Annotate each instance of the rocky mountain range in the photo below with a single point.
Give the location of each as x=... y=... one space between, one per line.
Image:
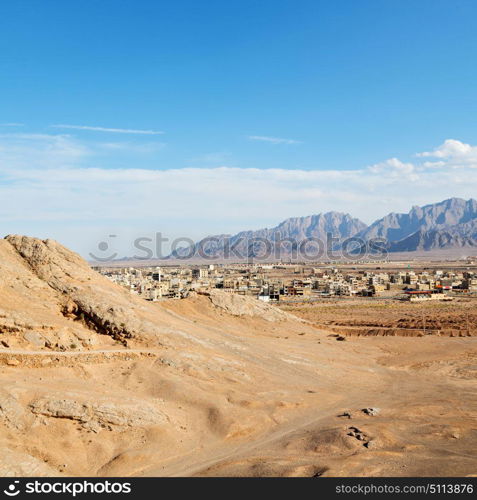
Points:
x=285 y=236
x=449 y=224
x=455 y=236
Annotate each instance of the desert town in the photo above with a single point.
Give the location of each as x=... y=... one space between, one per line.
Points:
x=297 y=283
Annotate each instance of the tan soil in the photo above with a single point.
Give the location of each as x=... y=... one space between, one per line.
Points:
x=188 y=387
x=391 y=317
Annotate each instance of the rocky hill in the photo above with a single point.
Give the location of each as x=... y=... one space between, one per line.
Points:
x=92 y=375
x=46 y=281
x=95 y=381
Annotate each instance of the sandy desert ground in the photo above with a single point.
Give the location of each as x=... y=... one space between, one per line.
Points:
x=390 y=316
x=97 y=382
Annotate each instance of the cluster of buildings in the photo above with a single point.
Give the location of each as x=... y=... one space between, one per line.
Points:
x=282 y=282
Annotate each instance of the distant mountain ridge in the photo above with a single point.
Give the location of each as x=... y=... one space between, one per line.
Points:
x=449 y=224
x=447 y=213
x=447 y=237
x=337 y=224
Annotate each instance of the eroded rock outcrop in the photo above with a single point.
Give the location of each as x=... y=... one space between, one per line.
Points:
x=12 y=413
x=87 y=296
x=241 y=305
x=16 y=464
x=97 y=414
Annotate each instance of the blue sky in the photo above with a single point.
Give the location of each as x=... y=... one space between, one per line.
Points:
x=168 y=105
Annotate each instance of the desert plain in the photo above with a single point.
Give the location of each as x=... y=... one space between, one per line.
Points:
x=97 y=382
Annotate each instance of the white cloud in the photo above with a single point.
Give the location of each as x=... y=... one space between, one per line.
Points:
x=143 y=148
x=218 y=194
x=273 y=140
x=434 y=164
x=49 y=188
x=452 y=148
x=394 y=167
x=215 y=158
x=20 y=151
x=106 y=129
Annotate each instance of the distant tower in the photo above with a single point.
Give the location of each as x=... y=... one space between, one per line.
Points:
x=156 y=276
